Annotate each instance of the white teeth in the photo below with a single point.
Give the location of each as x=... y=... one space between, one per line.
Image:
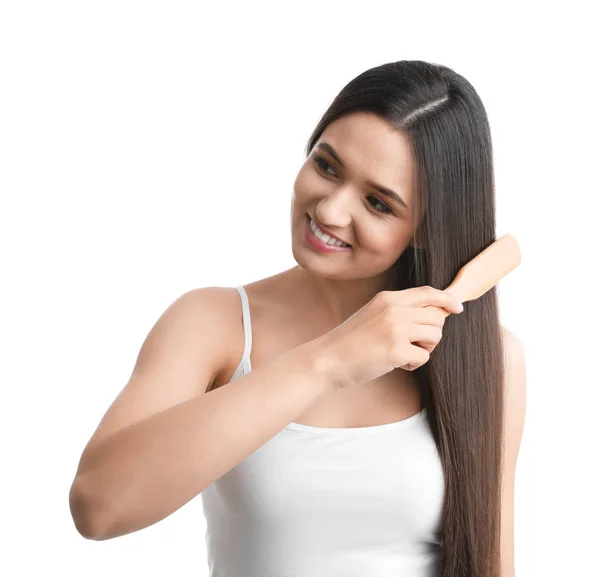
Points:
x=325 y=237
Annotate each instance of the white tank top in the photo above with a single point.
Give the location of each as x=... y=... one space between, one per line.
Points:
x=328 y=502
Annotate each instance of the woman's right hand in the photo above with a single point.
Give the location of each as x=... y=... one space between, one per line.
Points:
x=395 y=329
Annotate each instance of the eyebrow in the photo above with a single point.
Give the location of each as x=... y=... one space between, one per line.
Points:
x=382 y=189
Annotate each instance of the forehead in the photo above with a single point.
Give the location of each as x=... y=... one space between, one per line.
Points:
x=371 y=149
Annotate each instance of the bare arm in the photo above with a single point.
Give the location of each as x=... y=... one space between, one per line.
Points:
x=146 y=471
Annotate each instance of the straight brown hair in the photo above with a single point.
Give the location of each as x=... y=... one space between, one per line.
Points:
x=462 y=384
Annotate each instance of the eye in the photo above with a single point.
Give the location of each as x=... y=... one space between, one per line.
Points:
x=379 y=206
x=320 y=161
x=384 y=208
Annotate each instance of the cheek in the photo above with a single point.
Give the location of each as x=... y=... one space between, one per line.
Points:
x=307 y=185
x=385 y=241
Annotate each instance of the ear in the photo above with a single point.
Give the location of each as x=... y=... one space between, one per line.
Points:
x=414 y=243
x=418 y=240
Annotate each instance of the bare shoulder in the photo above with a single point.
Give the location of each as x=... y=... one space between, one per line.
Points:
x=185 y=351
x=214 y=326
x=514 y=423
x=199 y=319
x=515 y=385
x=513 y=349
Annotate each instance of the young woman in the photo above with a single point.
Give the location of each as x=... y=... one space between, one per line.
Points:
x=328 y=426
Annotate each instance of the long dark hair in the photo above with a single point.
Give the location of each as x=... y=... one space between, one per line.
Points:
x=462 y=384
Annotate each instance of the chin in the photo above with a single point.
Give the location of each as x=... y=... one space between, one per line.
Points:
x=317 y=266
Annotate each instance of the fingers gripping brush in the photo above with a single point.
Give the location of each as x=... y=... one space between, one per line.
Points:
x=486 y=270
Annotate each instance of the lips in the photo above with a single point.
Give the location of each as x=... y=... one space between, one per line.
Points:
x=321 y=227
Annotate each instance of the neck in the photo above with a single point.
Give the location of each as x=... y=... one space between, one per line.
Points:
x=337 y=299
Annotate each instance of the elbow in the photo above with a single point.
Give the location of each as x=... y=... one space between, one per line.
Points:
x=88 y=514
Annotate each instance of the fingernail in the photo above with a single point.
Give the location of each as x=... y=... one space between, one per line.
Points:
x=462 y=308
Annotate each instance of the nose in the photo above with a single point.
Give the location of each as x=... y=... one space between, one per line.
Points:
x=335 y=210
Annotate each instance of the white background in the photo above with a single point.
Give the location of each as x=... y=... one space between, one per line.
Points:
x=150 y=148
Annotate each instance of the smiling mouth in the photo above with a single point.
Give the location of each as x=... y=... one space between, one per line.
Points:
x=315 y=231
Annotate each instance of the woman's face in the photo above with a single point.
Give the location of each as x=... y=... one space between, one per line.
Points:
x=341 y=197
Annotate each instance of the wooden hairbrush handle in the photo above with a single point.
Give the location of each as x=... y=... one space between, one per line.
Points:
x=484 y=271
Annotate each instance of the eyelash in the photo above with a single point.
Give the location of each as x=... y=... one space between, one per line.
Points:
x=385 y=210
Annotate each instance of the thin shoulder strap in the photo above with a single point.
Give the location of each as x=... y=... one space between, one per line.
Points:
x=247 y=325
